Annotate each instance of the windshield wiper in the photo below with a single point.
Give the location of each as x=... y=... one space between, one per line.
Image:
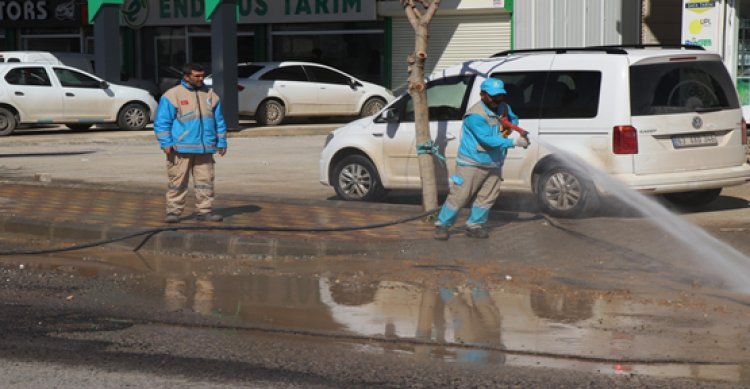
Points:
x=708 y=109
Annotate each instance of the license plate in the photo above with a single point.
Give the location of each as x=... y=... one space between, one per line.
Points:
x=681 y=141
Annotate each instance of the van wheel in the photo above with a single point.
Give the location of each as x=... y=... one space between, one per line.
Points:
x=79 y=127
x=271 y=113
x=693 y=199
x=563 y=193
x=132 y=117
x=8 y=122
x=356 y=179
x=372 y=106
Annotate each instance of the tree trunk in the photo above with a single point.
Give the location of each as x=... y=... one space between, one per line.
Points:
x=416 y=90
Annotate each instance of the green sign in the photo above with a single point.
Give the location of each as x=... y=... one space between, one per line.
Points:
x=211 y=6
x=96 y=5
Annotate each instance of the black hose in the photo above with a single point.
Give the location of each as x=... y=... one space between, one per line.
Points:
x=153 y=231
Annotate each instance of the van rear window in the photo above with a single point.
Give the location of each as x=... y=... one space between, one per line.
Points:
x=680 y=87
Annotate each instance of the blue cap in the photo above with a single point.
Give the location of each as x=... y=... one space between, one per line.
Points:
x=493 y=87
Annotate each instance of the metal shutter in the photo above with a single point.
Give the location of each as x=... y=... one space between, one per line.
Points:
x=453 y=39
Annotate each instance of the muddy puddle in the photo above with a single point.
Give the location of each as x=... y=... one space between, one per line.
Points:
x=443 y=312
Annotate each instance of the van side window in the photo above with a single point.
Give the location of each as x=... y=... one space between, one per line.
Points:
x=571 y=94
x=446 y=99
x=72 y=79
x=524 y=92
x=35 y=76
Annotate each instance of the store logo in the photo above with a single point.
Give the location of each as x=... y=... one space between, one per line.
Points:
x=23 y=11
x=135 y=13
x=66 y=11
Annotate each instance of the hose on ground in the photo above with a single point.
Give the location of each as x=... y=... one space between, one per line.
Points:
x=150 y=232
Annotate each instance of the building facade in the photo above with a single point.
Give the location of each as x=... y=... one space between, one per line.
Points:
x=371 y=38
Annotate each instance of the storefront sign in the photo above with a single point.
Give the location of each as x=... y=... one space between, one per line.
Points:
x=138 y=13
x=49 y=13
x=702 y=24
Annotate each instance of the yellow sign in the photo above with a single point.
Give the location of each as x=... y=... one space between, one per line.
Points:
x=699 y=6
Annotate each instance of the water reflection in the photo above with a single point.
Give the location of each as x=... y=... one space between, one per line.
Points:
x=472 y=322
x=469 y=321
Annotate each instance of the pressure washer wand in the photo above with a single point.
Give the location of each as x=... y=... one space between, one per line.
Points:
x=507 y=124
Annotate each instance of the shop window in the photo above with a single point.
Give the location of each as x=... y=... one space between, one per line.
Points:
x=33 y=76
x=72 y=79
x=354 y=48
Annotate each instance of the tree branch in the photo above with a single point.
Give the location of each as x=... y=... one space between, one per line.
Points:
x=411 y=13
x=431 y=10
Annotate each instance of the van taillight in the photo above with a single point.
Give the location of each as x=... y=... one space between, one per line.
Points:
x=743 y=130
x=625 y=140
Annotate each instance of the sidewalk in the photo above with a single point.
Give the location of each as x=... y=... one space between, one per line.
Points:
x=70 y=214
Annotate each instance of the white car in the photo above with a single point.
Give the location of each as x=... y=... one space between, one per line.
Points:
x=662 y=121
x=46 y=93
x=272 y=91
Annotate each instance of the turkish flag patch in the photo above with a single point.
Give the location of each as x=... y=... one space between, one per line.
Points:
x=184 y=102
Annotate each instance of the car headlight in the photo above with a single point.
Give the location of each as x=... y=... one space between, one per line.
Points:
x=329 y=138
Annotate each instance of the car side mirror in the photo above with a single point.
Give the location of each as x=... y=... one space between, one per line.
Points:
x=354 y=84
x=104 y=84
x=389 y=115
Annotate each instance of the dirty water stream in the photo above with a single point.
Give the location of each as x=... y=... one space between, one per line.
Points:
x=445 y=313
x=706 y=252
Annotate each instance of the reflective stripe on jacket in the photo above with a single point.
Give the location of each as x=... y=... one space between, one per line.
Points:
x=191 y=120
x=482 y=143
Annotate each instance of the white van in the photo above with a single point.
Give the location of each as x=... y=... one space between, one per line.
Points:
x=664 y=121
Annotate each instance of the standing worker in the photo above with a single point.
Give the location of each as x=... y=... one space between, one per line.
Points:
x=479 y=161
x=190 y=129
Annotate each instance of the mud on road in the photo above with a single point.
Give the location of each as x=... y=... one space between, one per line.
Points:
x=381 y=322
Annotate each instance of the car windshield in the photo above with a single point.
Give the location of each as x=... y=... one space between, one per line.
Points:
x=244 y=71
x=680 y=87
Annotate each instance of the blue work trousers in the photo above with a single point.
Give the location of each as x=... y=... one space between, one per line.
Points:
x=470 y=181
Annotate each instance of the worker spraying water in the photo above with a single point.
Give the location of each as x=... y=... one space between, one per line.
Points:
x=484 y=144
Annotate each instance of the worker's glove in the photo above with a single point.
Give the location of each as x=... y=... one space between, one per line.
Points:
x=521 y=142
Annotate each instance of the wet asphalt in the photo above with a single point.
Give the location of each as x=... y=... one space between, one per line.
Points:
x=607 y=301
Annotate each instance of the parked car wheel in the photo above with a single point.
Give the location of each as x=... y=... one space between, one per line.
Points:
x=8 y=122
x=133 y=116
x=79 y=127
x=355 y=178
x=563 y=193
x=693 y=199
x=372 y=106
x=271 y=113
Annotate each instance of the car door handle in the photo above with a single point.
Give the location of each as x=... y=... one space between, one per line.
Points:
x=69 y=94
x=19 y=94
x=450 y=136
x=377 y=134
